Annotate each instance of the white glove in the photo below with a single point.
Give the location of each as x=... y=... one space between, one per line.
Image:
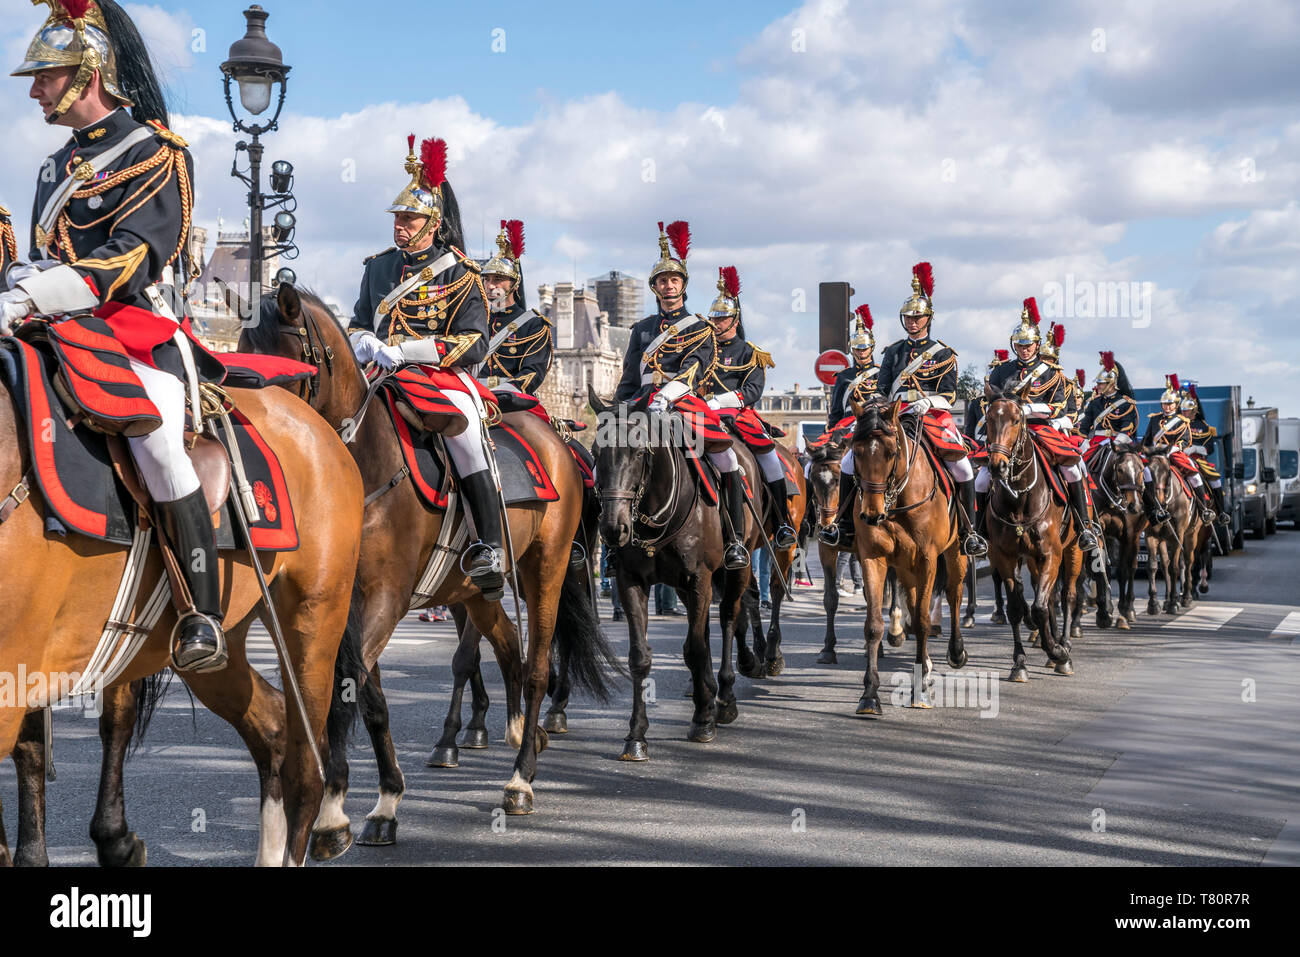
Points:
x=389 y=357
x=659 y=403
x=365 y=345
x=14 y=306
x=18 y=272
x=713 y=404
x=920 y=406
x=1063 y=424
x=1121 y=438
x=727 y=400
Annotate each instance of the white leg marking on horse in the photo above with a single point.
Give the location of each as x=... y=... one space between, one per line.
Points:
x=517 y=783
x=331 y=816
x=386 y=806
x=515 y=732
x=273 y=834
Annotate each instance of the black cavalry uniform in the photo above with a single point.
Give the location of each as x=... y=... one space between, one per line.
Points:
x=840 y=392
x=937 y=375
x=1178 y=431
x=448 y=305
x=1112 y=414
x=1047 y=387
x=739 y=368
x=8 y=244
x=687 y=357
x=524 y=357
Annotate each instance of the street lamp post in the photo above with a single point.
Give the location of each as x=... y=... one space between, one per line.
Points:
x=256 y=65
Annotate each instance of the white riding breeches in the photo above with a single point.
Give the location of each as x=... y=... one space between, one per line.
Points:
x=1146 y=474
x=983 y=480
x=846 y=463
x=724 y=461
x=1217 y=483
x=771 y=465
x=1194 y=480
x=1072 y=473
x=466 y=449
x=160 y=455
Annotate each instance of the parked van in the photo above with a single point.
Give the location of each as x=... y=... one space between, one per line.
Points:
x=1259 y=469
x=1288 y=469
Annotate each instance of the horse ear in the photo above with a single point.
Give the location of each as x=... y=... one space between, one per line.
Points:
x=895 y=408
x=990 y=392
x=857 y=406
x=289 y=301
x=597 y=404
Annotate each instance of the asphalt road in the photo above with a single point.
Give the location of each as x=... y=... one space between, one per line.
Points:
x=1174 y=743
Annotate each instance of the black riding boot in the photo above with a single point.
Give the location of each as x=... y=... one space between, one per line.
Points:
x=1087 y=537
x=840 y=535
x=784 y=536
x=1208 y=513
x=982 y=514
x=1219 y=505
x=198 y=643
x=737 y=555
x=1155 y=511
x=974 y=544
x=484 y=561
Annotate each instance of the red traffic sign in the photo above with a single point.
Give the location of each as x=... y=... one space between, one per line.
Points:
x=830 y=364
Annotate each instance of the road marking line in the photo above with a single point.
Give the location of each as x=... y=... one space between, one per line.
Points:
x=1204 y=618
x=1290 y=625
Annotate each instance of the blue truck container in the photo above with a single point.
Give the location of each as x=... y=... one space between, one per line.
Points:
x=1222 y=405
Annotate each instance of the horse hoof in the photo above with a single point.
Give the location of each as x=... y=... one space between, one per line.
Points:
x=518 y=801
x=775 y=666
x=870 y=704
x=997 y=618
x=1033 y=637
x=958 y=662
x=1064 y=668
x=702 y=733
x=750 y=667
x=920 y=703
x=327 y=845
x=1122 y=624
x=1203 y=588
x=827 y=657
x=1077 y=634
x=1153 y=608
x=936 y=631
x=1170 y=608
x=728 y=711
x=476 y=739
x=968 y=621
x=444 y=756
x=127 y=851
x=1132 y=617
x=635 y=751
x=1103 y=621
x=379 y=832
x=557 y=722
x=1019 y=674
x=896 y=640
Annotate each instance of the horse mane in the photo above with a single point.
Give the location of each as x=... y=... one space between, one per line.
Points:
x=871 y=422
x=264 y=336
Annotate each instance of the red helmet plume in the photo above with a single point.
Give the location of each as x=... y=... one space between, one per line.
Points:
x=515 y=234
x=1191 y=388
x=410 y=142
x=76 y=9
x=1031 y=307
x=1173 y=383
x=1108 y=360
x=1082 y=376
x=864 y=313
x=1002 y=354
x=1058 y=335
x=433 y=157
x=679 y=234
x=730 y=281
x=925 y=273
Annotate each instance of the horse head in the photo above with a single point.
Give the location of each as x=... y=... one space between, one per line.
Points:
x=876 y=455
x=627 y=437
x=1005 y=428
x=824 y=482
x=1126 y=474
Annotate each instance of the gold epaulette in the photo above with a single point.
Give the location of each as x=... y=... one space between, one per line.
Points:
x=545 y=319
x=763 y=358
x=4 y=212
x=465 y=261
x=382 y=252
x=167 y=136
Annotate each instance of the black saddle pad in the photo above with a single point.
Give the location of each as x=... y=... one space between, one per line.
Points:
x=75 y=473
x=523 y=477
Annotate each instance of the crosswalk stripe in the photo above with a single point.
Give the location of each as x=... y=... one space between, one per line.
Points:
x=1290 y=625
x=1204 y=618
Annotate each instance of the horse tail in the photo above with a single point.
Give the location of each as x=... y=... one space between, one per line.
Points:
x=350 y=673
x=580 y=645
x=148 y=693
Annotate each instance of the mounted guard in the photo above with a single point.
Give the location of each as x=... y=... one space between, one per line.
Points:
x=1041 y=387
x=669 y=358
x=1203 y=438
x=859 y=379
x=1169 y=429
x=110 y=237
x=735 y=385
x=520 y=344
x=422 y=304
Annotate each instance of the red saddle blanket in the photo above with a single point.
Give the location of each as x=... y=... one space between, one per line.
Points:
x=253 y=370
x=749 y=426
x=75 y=473
x=523 y=477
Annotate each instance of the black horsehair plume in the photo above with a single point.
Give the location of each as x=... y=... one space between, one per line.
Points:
x=135 y=70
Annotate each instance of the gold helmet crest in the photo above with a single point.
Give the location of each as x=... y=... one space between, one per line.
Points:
x=679 y=234
x=423 y=194
x=74 y=35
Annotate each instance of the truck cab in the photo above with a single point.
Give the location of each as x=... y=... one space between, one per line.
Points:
x=1262 y=492
x=1288 y=469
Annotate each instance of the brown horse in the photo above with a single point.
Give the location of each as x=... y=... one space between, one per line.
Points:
x=767 y=659
x=902 y=522
x=1169 y=543
x=68 y=587
x=1118 y=474
x=1026 y=522
x=398 y=541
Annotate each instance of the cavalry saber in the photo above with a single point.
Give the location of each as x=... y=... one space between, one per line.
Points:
x=776 y=565
x=290 y=678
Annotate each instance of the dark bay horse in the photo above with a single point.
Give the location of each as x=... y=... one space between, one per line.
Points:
x=767 y=660
x=1025 y=521
x=665 y=532
x=399 y=536
x=902 y=522
x=68 y=586
x=1117 y=472
x=1167 y=542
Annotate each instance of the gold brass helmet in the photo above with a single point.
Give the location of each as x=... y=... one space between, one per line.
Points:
x=1107 y=379
x=1171 y=395
x=999 y=356
x=423 y=195
x=863 y=339
x=1026 y=332
x=510 y=246
x=1189 y=403
x=921 y=302
x=727 y=304
x=679 y=233
x=74 y=35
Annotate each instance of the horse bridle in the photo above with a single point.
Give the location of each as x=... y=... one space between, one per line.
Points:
x=315 y=350
x=660 y=519
x=1013 y=456
x=889 y=488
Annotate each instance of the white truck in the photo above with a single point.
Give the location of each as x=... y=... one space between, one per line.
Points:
x=1288 y=469
x=1259 y=469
